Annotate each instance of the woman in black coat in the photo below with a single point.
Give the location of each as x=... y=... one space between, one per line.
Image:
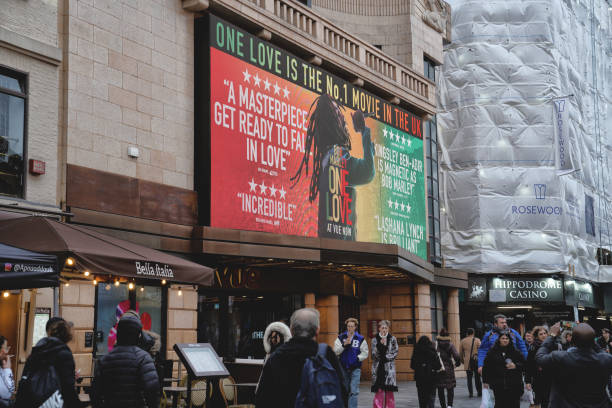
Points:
x=535 y=377
x=445 y=380
x=503 y=371
x=426 y=364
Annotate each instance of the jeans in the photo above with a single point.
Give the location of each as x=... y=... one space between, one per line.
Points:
x=427 y=395
x=451 y=396
x=352 y=378
x=476 y=381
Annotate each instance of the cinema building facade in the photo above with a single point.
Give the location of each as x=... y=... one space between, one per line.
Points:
x=262 y=140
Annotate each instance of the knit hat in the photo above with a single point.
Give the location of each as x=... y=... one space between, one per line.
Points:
x=128 y=329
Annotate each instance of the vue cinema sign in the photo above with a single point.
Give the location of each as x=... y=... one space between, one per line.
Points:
x=544 y=289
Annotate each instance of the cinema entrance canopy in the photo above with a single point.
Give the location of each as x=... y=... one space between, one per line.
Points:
x=359 y=260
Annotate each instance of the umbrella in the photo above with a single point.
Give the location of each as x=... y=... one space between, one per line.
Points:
x=23 y=269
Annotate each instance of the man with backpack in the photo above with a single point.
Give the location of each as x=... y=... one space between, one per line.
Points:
x=499 y=324
x=302 y=373
x=352 y=349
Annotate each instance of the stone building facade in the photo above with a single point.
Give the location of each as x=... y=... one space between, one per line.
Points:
x=122 y=83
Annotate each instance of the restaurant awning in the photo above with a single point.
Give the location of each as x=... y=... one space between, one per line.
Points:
x=100 y=253
x=23 y=269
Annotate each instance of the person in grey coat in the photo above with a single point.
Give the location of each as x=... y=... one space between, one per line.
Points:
x=384 y=353
x=581 y=374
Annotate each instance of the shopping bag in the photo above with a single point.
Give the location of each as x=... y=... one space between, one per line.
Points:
x=527 y=396
x=487 y=399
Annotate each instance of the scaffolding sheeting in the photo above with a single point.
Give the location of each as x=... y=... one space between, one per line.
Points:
x=525 y=125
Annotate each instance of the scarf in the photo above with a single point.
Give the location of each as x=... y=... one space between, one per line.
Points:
x=381 y=374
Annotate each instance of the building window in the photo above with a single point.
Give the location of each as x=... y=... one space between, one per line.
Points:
x=12 y=132
x=439 y=313
x=430 y=69
x=433 y=196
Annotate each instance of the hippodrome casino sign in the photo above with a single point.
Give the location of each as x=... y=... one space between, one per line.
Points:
x=293 y=153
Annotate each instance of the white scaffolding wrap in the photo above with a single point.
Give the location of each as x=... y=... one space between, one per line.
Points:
x=525 y=136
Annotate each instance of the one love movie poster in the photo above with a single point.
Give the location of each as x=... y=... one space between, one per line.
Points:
x=296 y=150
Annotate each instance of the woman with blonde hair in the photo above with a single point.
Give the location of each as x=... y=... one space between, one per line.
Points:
x=384 y=353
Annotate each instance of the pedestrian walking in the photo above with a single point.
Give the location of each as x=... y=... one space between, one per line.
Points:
x=566 y=339
x=445 y=379
x=604 y=341
x=503 y=372
x=126 y=377
x=528 y=339
x=468 y=351
x=352 y=348
x=51 y=351
x=281 y=378
x=580 y=375
x=276 y=334
x=384 y=353
x=536 y=378
x=499 y=324
x=425 y=363
x=7 y=382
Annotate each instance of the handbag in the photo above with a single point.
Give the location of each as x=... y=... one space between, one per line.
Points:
x=442 y=368
x=487 y=399
x=472 y=362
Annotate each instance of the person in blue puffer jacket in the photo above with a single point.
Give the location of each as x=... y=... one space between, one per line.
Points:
x=352 y=349
x=491 y=336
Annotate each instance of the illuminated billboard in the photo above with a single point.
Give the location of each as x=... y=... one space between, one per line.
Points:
x=296 y=150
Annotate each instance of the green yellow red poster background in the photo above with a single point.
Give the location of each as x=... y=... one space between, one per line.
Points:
x=263 y=109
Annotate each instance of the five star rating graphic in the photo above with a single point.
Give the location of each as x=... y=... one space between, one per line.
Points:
x=263 y=189
x=247 y=76
x=397 y=136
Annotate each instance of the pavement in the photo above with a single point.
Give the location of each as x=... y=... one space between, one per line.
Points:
x=407 y=397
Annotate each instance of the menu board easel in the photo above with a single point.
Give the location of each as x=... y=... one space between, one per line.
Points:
x=201 y=362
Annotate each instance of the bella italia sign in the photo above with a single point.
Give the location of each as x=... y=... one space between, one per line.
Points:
x=527 y=289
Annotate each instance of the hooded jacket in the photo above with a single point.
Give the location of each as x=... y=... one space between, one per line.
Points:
x=126 y=377
x=279 y=327
x=450 y=358
x=53 y=351
x=489 y=340
x=282 y=374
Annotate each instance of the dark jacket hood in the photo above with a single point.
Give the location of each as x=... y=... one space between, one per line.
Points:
x=297 y=347
x=47 y=349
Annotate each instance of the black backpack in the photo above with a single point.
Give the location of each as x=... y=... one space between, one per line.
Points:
x=39 y=387
x=320 y=386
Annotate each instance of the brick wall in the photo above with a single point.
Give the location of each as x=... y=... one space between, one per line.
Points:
x=130 y=83
x=182 y=319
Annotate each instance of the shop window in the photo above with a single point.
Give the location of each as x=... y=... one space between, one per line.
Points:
x=12 y=132
x=235 y=325
x=438 y=305
x=114 y=300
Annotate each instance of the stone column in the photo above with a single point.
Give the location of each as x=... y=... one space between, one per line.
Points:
x=77 y=302
x=182 y=319
x=330 y=315
x=423 y=310
x=309 y=300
